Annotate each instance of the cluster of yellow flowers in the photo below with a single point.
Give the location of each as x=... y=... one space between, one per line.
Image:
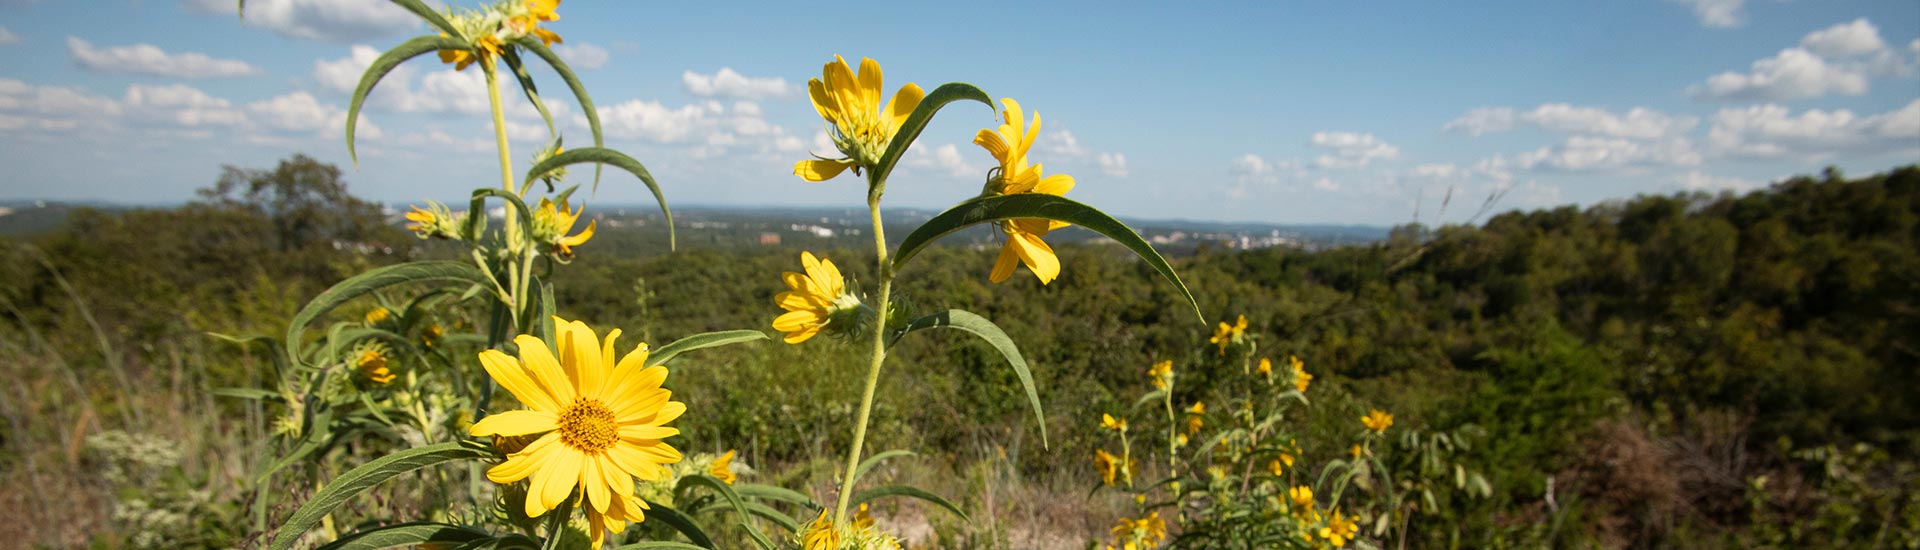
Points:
x=488 y=31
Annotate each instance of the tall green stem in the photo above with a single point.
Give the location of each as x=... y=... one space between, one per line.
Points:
x=514 y=241
x=879 y=356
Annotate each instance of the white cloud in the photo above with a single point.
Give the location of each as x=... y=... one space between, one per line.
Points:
x=1638 y=122
x=300 y=112
x=585 y=56
x=1439 y=171
x=326 y=20
x=1834 y=60
x=728 y=83
x=945 y=158
x=1114 y=164
x=1696 y=180
x=7 y=37
x=640 y=119
x=440 y=91
x=51 y=108
x=182 y=105
x=1588 y=153
x=1773 y=131
x=151 y=60
x=1326 y=184
x=1250 y=167
x=1717 y=13
x=1856 y=38
x=342 y=75
x=1351 y=150
x=709 y=127
x=1063 y=144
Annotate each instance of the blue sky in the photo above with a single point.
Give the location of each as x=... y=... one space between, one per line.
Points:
x=1283 y=112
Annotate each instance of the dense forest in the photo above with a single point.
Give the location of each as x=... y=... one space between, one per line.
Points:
x=1681 y=370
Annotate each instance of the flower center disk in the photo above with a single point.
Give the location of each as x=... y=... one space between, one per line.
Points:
x=588 y=425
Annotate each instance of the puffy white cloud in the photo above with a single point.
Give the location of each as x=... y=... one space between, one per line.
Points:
x=300 y=112
x=1696 y=180
x=709 y=127
x=7 y=37
x=1251 y=166
x=1834 y=60
x=1062 y=143
x=1351 y=150
x=945 y=158
x=652 y=121
x=1859 y=37
x=583 y=56
x=326 y=20
x=151 y=60
x=1774 y=131
x=1717 y=13
x=1114 y=164
x=728 y=83
x=342 y=75
x=51 y=108
x=1638 y=122
x=1588 y=153
x=182 y=105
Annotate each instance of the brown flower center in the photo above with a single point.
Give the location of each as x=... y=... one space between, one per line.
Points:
x=588 y=425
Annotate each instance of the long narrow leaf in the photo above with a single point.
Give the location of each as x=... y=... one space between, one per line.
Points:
x=679 y=522
x=659 y=545
x=739 y=506
x=663 y=354
x=365 y=477
x=477 y=211
x=979 y=326
x=907 y=491
x=560 y=67
x=1041 y=206
x=917 y=121
x=432 y=17
x=520 y=73
x=384 y=64
x=770 y=492
x=873 y=461
x=606 y=156
x=405 y=534
x=358 y=285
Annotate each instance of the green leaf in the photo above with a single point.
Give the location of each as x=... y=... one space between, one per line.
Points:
x=477 y=212
x=1042 y=206
x=703 y=340
x=405 y=534
x=520 y=73
x=505 y=542
x=907 y=491
x=545 y=322
x=764 y=512
x=660 y=545
x=358 y=285
x=366 y=476
x=249 y=393
x=605 y=156
x=725 y=491
x=917 y=121
x=986 y=330
x=274 y=350
x=432 y=17
x=679 y=522
x=533 y=44
x=872 y=461
x=384 y=64
x=774 y=493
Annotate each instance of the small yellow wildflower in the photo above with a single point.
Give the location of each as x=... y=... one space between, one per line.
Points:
x=1266 y=367
x=860 y=128
x=1300 y=376
x=378 y=315
x=372 y=362
x=1356 y=450
x=1162 y=374
x=537 y=11
x=1108 y=464
x=722 y=468
x=603 y=417
x=1194 y=421
x=430 y=336
x=820 y=535
x=1301 y=496
x=550 y=226
x=1377 y=420
x=1339 y=530
x=1276 y=468
x=1287 y=458
x=435 y=222
x=486 y=47
x=1009 y=144
x=1229 y=334
x=1148 y=531
x=1109 y=422
x=817 y=298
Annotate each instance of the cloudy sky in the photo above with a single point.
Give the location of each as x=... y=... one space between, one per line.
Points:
x=1285 y=112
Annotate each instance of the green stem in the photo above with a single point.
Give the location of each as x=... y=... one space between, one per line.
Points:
x=873 y=370
x=499 y=131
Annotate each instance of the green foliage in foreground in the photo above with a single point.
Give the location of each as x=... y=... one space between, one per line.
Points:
x=1711 y=370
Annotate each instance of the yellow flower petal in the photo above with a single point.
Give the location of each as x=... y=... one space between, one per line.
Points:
x=902 y=106
x=869 y=81
x=508 y=372
x=819 y=170
x=512 y=423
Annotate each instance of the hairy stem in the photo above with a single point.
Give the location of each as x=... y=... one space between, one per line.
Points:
x=873 y=370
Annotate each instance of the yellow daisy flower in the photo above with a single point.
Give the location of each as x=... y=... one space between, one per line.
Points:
x=1228 y=334
x=817 y=297
x=1339 y=530
x=820 y=535
x=603 y=418
x=1009 y=144
x=487 y=46
x=1194 y=421
x=722 y=468
x=1274 y=465
x=1265 y=368
x=372 y=361
x=1109 y=422
x=552 y=222
x=1108 y=465
x=537 y=11
x=1148 y=531
x=1301 y=496
x=860 y=127
x=1162 y=373
x=1300 y=377
x=1377 y=420
x=378 y=315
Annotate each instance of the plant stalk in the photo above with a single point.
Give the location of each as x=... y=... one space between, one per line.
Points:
x=873 y=370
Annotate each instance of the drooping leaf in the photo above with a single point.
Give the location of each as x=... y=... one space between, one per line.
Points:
x=377 y=278
x=512 y=57
x=726 y=492
x=770 y=492
x=907 y=491
x=404 y=534
x=765 y=512
x=533 y=44
x=1038 y=206
x=875 y=460
x=477 y=211
x=917 y=121
x=275 y=352
x=384 y=64
x=986 y=330
x=606 y=156
x=663 y=354
x=679 y=522
x=366 y=476
x=426 y=13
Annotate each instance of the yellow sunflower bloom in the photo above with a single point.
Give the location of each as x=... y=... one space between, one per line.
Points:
x=1108 y=464
x=602 y=417
x=820 y=535
x=722 y=468
x=1109 y=422
x=1148 y=531
x=817 y=298
x=1300 y=377
x=860 y=127
x=1339 y=530
x=1265 y=368
x=487 y=46
x=1009 y=144
x=378 y=315
x=552 y=222
x=1194 y=421
x=1162 y=374
x=1377 y=420
x=1228 y=334
x=536 y=12
x=371 y=360
x=1301 y=496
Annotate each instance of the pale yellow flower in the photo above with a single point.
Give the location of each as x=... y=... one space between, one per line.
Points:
x=551 y=223
x=815 y=300
x=371 y=360
x=859 y=126
x=1108 y=464
x=1109 y=422
x=603 y=418
x=1162 y=374
x=1377 y=420
x=378 y=315
x=722 y=468
x=1339 y=530
x=1009 y=144
x=1148 y=531
x=1300 y=377
x=1228 y=334
x=1194 y=414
